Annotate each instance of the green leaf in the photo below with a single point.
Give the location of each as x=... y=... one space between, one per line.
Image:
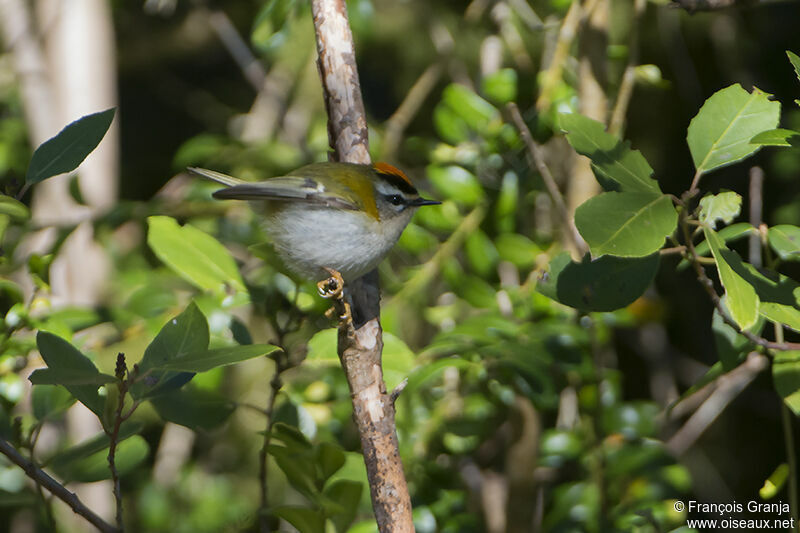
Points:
x=740 y=297
x=195 y=255
x=724 y=206
x=795 y=61
x=720 y=133
x=298 y=466
x=330 y=458
x=616 y=166
x=481 y=253
x=456 y=183
x=208 y=359
x=785 y=240
x=424 y=374
x=777 y=137
x=93 y=445
x=517 y=249
x=775 y=482
x=777 y=294
x=14 y=208
x=322 y=348
x=449 y=125
x=732 y=347
x=49 y=376
x=193 y=408
x=64 y=152
x=727 y=234
x=65 y=360
x=348 y=494
x=605 y=284
x=50 y=400
x=626 y=224
x=129 y=454
x=304 y=519
x=185 y=334
x=473 y=109
x=501 y=86
x=786 y=377
x=398 y=359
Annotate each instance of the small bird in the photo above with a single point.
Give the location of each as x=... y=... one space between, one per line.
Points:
x=340 y=216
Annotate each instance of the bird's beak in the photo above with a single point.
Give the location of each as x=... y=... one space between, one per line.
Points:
x=423 y=201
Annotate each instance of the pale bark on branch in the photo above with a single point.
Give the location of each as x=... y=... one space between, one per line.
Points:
x=360 y=339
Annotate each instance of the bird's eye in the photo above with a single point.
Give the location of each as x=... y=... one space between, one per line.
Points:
x=395 y=199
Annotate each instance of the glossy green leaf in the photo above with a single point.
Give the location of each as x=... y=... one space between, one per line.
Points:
x=456 y=183
x=605 y=284
x=93 y=445
x=481 y=253
x=186 y=333
x=777 y=137
x=50 y=400
x=775 y=482
x=785 y=240
x=193 y=408
x=476 y=112
x=795 y=61
x=194 y=255
x=208 y=359
x=501 y=86
x=330 y=458
x=724 y=206
x=732 y=347
x=70 y=376
x=14 y=208
x=65 y=360
x=130 y=453
x=517 y=249
x=64 y=152
x=740 y=296
x=777 y=294
x=617 y=167
x=348 y=494
x=786 y=377
x=304 y=519
x=720 y=133
x=626 y=224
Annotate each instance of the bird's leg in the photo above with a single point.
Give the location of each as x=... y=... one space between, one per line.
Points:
x=333 y=288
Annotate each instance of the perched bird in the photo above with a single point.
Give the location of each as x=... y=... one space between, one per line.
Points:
x=340 y=216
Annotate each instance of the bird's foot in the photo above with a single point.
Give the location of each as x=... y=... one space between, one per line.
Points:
x=332 y=288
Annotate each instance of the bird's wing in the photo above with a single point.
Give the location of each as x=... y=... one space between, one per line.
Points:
x=287 y=188
x=219 y=177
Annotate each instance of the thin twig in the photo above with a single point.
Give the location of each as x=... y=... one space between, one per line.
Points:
x=535 y=154
x=728 y=387
x=113 y=436
x=275 y=385
x=629 y=76
x=408 y=108
x=756 y=208
x=54 y=487
x=237 y=48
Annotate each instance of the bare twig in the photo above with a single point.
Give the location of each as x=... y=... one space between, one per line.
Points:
x=360 y=341
x=756 y=207
x=625 y=92
x=275 y=385
x=237 y=47
x=56 y=489
x=113 y=435
x=535 y=155
x=728 y=387
x=408 y=108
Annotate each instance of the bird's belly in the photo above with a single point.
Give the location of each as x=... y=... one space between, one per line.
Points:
x=309 y=238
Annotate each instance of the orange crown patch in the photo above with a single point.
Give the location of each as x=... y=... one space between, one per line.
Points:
x=386 y=168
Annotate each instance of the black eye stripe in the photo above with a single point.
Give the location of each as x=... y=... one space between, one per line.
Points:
x=398 y=183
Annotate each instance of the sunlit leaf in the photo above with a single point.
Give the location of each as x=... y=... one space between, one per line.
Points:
x=64 y=152
x=500 y=87
x=777 y=137
x=626 y=224
x=795 y=61
x=194 y=255
x=456 y=183
x=617 y=167
x=720 y=133
x=724 y=206
x=785 y=240
x=786 y=377
x=473 y=109
x=740 y=297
